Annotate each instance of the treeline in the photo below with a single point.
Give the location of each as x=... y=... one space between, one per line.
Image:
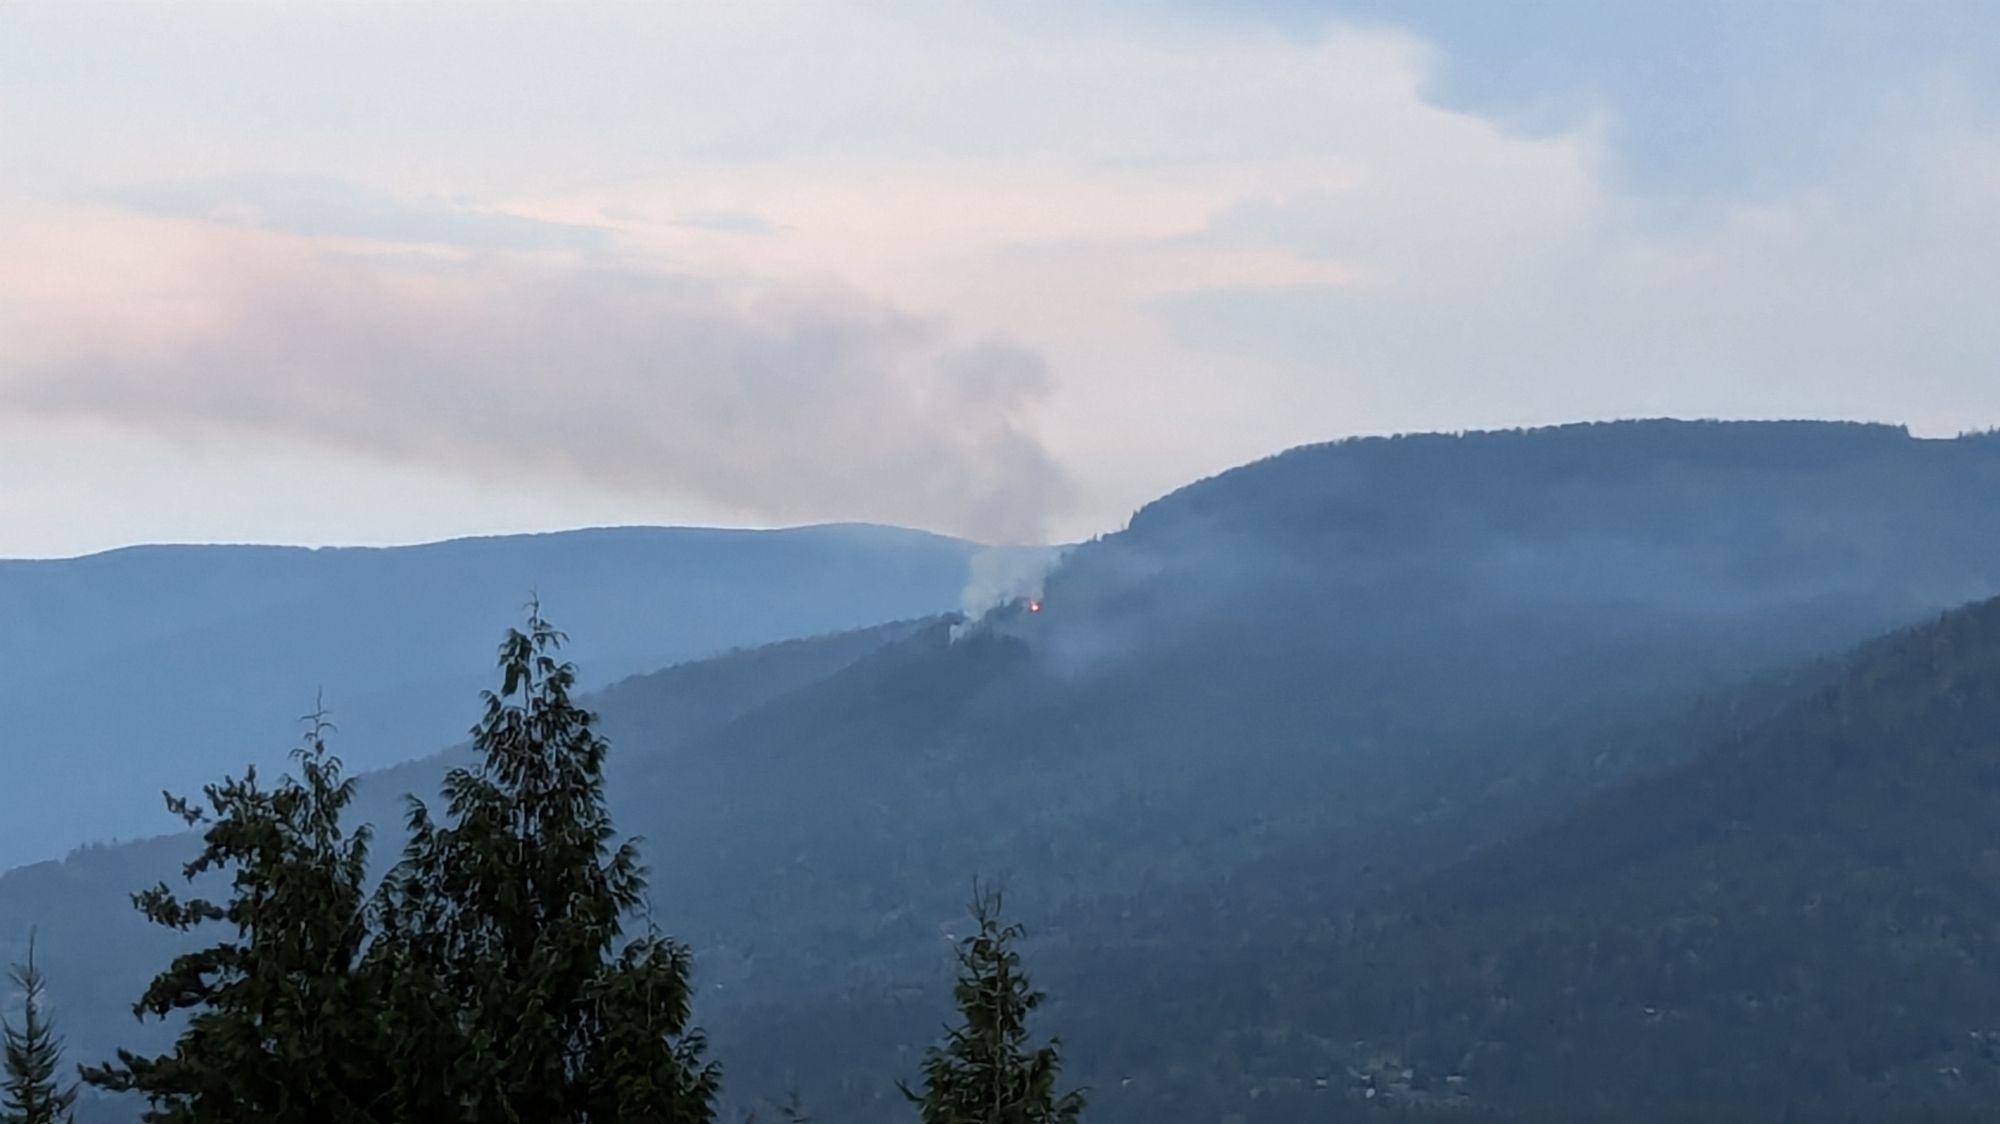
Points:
x=507 y=968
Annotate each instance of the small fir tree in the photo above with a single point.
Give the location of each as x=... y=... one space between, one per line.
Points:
x=986 y=1072
x=31 y=1093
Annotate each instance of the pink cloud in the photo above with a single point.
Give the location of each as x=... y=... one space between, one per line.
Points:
x=792 y=402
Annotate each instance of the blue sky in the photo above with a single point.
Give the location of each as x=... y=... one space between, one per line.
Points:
x=339 y=273
x=1705 y=97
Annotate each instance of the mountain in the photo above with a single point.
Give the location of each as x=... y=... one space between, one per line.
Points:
x=1315 y=677
x=1234 y=729
x=1809 y=910
x=160 y=667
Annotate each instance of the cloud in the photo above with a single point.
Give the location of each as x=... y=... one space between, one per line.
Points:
x=795 y=402
x=1699 y=98
x=727 y=222
x=1859 y=297
x=1132 y=241
x=317 y=205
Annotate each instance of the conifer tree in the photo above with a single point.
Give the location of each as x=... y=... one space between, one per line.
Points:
x=31 y=1093
x=280 y=1025
x=986 y=1072
x=510 y=985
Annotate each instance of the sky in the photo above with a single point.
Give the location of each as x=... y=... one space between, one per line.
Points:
x=374 y=273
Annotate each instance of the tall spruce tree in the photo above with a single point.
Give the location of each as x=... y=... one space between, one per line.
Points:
x=32 y=1093
x=281 y=1026
x=510 y=984
x=986 y=1072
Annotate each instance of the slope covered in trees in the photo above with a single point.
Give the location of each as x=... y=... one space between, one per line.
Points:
x=495 y=974
x=1278 y=697
x=509 y=967
x=1320 y=675
x=1808 y=911
x=100 y=953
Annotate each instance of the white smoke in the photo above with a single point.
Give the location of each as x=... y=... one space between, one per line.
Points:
x=1002 y=575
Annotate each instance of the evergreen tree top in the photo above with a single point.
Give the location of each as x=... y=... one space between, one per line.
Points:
x=504 y=943
x=987 y=1071
x=31 y=1093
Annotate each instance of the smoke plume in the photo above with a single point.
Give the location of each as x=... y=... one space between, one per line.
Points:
x=1000 y=576
x=788 y=403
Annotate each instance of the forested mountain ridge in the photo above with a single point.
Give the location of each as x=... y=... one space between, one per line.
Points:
x=100 y=654
x=1383 y=670
x=1808 y=911
x=1652 y=527
x=1279 y=696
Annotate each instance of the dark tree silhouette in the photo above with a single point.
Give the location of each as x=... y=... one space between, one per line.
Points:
x=31 y=1093
x=280 y=1024
x=513 y=994
x=986 y=1071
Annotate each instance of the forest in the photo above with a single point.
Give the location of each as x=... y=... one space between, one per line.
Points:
x=489 y=976
x=1608 y=772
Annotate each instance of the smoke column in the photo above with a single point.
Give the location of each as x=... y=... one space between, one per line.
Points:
x=1001 y=575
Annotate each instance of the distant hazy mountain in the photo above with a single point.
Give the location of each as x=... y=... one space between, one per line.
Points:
x=1280 y=695
x=157 y=667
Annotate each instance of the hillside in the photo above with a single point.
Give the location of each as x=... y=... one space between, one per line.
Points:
x=1279 y=696
x=158 y=667
x=103 y=953
x=1809 y=910
x=1287 y=687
